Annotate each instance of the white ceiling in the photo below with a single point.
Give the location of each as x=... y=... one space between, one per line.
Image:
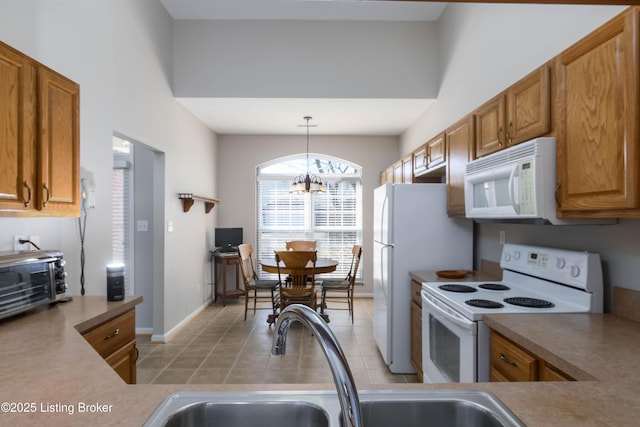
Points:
x=349 y=10
x=283 y=116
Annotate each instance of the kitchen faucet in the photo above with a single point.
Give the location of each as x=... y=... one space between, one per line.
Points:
x=347 y=393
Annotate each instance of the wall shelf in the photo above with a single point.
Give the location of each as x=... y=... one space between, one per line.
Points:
x=188 y=199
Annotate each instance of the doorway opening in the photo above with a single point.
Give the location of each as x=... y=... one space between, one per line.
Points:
x=137 y=226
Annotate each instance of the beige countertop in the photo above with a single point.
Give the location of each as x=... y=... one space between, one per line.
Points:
x=47 y=365
x=431 y=276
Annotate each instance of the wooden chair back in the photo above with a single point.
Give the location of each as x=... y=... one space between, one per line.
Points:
x=300 y=267
x=246 y=263
x=301 y=245
x=356 y=251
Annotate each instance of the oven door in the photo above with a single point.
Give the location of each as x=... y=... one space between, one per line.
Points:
x=24 y=285
x=449 y=343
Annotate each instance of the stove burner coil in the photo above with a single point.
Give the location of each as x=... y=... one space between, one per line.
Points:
x=457 y=288
x=494 y=287
x=529 y=302
x=483 y=303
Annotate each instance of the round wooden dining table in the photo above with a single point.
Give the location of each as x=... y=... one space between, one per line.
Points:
x=323 y=265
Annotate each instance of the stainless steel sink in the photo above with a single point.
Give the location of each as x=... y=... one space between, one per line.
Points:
x=437 y=410
x=221 y=409
x=249 y=414
x=320 y=409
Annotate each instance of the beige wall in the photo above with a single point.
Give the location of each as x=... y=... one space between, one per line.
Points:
x=239 y=155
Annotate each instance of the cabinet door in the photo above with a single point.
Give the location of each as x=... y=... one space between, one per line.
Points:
x=123 y=362
x=551 y=373
x=490 y=119
x=460 y=140
x=397 y=172
x=436 y=153
x=17 y=131
x=420 y=160
x=416 y=338
x=407 y=169
x=383 y=177
x=59 y=143
x=529 y=107
x=597 y=126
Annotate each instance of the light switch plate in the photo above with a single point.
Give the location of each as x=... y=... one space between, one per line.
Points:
x=142 y=225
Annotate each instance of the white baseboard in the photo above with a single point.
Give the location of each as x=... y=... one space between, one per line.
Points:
x=144 y=331
x=164 y=338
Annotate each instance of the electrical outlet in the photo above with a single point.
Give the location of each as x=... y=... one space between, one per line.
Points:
x=503 y=237
x=17 y=246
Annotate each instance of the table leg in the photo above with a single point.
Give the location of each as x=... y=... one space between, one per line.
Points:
x=224 y=284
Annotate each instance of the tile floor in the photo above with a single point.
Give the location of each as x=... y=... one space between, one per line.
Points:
x=219 y=347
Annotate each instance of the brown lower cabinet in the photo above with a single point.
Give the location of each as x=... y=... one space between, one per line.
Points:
x=510 y=362
x=115 y=341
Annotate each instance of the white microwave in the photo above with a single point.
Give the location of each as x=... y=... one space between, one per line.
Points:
x=517 y=183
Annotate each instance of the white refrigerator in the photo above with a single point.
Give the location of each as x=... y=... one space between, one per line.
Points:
x=412 y=232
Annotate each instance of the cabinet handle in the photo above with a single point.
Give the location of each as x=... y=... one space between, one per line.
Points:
x=26 y=202
x=509 y=140
x=46 y=200
x=557 y=195
x=428 y=155
x=137 y=352
x=507 y=361
x=499 y=132
x=114 y=334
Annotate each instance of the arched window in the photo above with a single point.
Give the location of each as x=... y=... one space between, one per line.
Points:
x=333 y=218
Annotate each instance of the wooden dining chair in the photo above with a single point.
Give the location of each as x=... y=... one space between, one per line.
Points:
x=300 y=267
x=301 y=245
x=255 y=288
x=341 y=291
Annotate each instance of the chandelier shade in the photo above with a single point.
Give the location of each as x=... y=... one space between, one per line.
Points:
x=307 y=183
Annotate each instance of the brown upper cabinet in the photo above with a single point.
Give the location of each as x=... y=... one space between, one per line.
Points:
x=40 y=131
x=460 y=141
x=407 y=169
x=598 y=118
x=436 y=151
x=518 y=114
x=397 y=172
x=17 y=131
x=430 y=157
x=420 y=160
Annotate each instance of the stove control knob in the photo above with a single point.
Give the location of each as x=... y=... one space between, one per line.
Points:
x=574 y=270
x=560 y=263
x=516 y=255
x=507 y=257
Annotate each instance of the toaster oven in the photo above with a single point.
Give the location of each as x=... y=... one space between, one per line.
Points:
x=29 y=279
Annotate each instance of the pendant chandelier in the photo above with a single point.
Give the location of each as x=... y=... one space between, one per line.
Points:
x=307 y=183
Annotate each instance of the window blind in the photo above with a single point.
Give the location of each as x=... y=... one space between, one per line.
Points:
x=333 y=219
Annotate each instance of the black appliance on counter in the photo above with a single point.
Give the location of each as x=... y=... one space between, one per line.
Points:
x=29 y=279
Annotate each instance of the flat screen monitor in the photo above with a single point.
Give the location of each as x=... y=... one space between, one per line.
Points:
x=228 y=237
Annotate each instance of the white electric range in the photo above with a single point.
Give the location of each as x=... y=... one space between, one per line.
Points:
x=455 y=342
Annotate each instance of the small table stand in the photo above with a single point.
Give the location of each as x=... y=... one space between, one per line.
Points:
x=219 y=263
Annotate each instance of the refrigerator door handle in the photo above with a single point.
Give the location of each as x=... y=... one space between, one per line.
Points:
x=383 y=275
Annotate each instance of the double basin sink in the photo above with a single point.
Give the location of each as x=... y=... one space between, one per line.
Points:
x=433 y=408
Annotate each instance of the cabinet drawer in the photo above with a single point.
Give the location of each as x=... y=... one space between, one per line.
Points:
x=113 y=335
x=551 y=373
x=416 y=289
x=512 y=362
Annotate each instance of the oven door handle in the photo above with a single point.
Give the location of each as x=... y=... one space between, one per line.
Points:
x=461 y=321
